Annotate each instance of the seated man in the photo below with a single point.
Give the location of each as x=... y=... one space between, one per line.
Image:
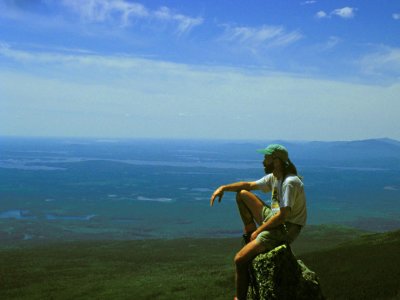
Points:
x=279 y=223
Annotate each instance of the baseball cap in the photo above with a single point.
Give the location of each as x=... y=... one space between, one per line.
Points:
x=276 y=150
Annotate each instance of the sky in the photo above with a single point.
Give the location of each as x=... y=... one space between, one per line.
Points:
x=213 y=69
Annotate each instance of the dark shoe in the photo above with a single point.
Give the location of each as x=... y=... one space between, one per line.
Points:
x=246 y=238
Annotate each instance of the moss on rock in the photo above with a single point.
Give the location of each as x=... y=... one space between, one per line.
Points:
x=278 y=275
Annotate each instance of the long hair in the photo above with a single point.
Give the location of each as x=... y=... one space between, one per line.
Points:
x=290 y=168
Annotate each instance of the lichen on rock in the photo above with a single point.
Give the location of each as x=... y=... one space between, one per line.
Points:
x=278 y=275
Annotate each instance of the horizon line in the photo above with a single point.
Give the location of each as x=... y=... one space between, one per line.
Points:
x=108 y=139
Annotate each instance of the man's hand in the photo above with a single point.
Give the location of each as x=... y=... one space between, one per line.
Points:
x=219 y=192
x=254 y=235
x=273 y=222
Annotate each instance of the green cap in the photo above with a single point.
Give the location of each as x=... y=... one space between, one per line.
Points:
x=276 y=150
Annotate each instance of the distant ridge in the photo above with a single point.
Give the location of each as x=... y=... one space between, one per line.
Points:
x=379 y=152
x=371 y=153
x=390 y=141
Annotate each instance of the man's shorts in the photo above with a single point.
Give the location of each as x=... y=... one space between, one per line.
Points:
x=285 y=233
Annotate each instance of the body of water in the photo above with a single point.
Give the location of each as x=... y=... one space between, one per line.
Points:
x=59 y=188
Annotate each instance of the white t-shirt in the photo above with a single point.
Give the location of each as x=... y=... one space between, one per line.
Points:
x=289 y=194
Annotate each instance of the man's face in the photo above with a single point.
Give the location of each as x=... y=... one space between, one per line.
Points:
x=268 y=164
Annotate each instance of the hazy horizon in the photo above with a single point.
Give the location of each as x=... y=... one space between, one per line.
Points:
x=117 y=138
x=291 y=70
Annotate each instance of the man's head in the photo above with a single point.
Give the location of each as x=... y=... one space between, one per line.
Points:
x=275 y=157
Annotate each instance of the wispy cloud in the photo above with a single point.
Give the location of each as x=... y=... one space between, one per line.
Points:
x=102 y=10
x=264 y=36
x=308 y=2
x=124 y=13
x=396 y=16
x=17 y=55
x=120 y=13
x=331 y=43
x=385 y=60
x=185 y=23
x=344 y=13
x=78 y=58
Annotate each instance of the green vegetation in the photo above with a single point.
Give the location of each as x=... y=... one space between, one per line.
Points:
x=367 y=268
x=362 y=267
x=319 y=237
x=149 y=269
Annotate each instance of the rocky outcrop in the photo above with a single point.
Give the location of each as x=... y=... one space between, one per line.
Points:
x=278 y=275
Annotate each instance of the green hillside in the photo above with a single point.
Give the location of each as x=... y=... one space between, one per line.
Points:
x=366 y=267
x=165 y=269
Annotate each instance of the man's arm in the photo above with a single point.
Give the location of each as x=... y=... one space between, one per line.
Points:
x=272 y=222
x=233 y=187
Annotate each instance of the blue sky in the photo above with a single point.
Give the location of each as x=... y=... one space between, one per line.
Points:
x=256 y=69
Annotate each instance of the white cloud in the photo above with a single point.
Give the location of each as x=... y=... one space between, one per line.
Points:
x=396 y=16
x=345 y=12
x=124 y=12
x=321 y=14
x=264 y=36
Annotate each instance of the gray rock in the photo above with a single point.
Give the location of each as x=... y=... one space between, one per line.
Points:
x=278 y=275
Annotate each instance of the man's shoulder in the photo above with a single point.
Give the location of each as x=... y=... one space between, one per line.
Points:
x=265 y=179
x=293 y=180
x=270 y=178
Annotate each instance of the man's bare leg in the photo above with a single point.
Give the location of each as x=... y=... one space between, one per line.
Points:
x=242 y=260
x=250 y=209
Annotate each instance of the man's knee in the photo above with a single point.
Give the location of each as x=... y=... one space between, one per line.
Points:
x=241 y=261
x=245 y=255
x=242 y=194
